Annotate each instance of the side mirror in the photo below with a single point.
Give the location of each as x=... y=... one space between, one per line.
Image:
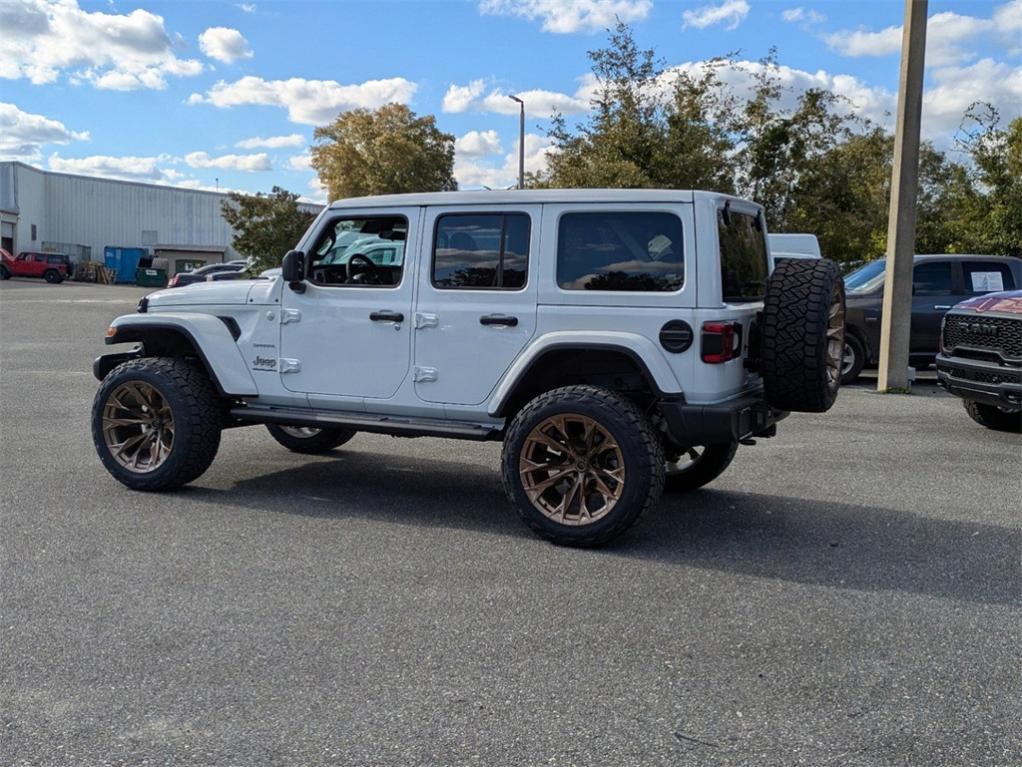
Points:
x=293 y=270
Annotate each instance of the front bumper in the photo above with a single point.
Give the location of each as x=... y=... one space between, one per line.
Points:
x=730 y=421
x=979 y=381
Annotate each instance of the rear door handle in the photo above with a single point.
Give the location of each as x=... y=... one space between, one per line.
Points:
x=498 y=319
x=387 y=317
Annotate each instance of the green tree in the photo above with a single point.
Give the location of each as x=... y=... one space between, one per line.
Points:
x=265 y=226
x=619 y=145
x=989 y=216
x=384 y=151
x=807 y=157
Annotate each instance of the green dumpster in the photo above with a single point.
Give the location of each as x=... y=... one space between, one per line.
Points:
x=147 y=277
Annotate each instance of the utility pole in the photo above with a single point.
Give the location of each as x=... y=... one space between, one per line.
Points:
x=521 y=141
x=896 y=325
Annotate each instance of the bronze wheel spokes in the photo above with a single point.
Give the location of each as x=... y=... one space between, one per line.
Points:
x=138 y=427
x=835 y=340
x=572 y=469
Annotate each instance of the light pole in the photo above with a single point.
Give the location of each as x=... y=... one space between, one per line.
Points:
x=896 y=319
x=521 y=141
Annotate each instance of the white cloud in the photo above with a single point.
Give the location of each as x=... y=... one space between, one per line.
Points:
x=224 y=44
x=242 y=162
x=272 y=142
x=460 y=97
x=954 y=89
x=1008 y=22
x=309 y=102
x=731 y=13
x=43 y=38
x=471 y=173
x=945 y=100
x=127 y=168
x=946 y=35
x=301 y=161
x=805 y=17
x=478 y=143
x=538 y=103
x=247 y=7
x=567 y=16
x=23 y=134
x=318 y=192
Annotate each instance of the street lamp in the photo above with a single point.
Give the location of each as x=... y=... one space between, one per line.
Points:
x=521 y=141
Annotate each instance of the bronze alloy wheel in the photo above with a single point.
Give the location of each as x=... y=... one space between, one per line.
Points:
x=138 y=427
x=835 y=340
x=572 y=469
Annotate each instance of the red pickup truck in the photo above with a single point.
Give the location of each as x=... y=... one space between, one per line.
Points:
x=52 y=267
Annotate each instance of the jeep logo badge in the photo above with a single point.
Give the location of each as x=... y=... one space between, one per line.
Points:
x=264 y=363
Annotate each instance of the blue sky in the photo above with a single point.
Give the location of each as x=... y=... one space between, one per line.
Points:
x=206 y=93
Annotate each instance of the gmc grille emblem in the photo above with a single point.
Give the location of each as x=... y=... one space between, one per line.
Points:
x=983 y=329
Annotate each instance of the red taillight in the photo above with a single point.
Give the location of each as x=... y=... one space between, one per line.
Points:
x=721 y=342
x=173 y=282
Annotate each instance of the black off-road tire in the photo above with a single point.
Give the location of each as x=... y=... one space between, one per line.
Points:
x=4 y=274
x=323 y=441
x=798 y=373
x=858 y=351
x=52 y=276
x=710 y=464
x=993 y=417
x=195 y=407
x=641 y=450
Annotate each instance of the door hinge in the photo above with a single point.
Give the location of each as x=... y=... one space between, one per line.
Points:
x=290 y=315
x=422 y=374
x=289 y=366
x=423 y=320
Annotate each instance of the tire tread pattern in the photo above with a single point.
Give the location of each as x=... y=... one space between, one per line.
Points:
x=197 y=428
x=993 y=418
x=564 y=398
x=793 y=334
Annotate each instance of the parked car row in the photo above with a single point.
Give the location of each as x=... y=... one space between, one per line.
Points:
x=938 y=283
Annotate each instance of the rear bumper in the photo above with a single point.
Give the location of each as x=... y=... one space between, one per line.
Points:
x=729 y=421
x=978 y=381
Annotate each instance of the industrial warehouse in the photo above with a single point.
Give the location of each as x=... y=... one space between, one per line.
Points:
x=123 y=224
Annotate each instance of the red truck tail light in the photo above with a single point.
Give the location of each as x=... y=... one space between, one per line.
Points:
x=173 y=282
x=721 y=342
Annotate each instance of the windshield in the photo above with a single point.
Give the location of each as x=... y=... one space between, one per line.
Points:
x=867 y=277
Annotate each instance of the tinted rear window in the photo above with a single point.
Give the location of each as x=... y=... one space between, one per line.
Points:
x=620 y=251
x=743 y=258
x=485 y=250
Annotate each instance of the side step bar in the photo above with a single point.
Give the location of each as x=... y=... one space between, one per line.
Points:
x=380 y=424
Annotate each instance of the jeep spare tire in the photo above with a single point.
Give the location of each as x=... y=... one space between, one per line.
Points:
x=802 y=335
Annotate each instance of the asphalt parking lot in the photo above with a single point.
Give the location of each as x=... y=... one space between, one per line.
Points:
x=848 y=593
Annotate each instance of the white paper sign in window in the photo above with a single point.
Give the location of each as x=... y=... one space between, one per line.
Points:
x=986 y=282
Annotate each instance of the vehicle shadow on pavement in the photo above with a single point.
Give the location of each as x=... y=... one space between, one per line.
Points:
x=803 y=541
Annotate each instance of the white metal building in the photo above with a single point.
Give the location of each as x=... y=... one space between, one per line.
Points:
x=82 y=215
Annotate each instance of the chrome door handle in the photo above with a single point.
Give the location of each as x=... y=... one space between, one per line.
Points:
x=498 y=319
x=942 y=306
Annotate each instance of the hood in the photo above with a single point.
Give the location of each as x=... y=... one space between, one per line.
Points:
x=1005 y=302
x=225 y=292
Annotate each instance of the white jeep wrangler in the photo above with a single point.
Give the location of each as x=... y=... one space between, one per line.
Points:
x=616 y=341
